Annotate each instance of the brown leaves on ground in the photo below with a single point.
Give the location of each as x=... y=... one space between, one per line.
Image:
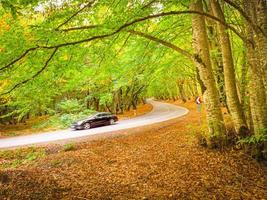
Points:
x=162 y=161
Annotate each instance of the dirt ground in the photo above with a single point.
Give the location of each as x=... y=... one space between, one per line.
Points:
x=162 y=161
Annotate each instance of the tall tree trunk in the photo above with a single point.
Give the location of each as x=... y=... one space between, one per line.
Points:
x=215 y=121
x=261 y=40
x=200 y=82
x=243 y=88
x=180 y=84
x=216 y=57
x=232 y=98
x=217 y=66
x=257 y=51
x=244 y=80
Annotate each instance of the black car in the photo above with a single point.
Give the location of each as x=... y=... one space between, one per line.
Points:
x=98 y=119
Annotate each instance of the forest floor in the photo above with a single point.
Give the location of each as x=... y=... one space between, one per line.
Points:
x=160 y=161
x=30 y=127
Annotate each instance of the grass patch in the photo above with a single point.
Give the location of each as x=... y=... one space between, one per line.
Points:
x=55 y=163
x=10 y=134
x=69 y=147
x=17 y=158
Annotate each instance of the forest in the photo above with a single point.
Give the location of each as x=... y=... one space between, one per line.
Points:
x=63 y=57
x=62 y=60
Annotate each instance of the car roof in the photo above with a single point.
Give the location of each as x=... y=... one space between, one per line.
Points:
x=105 y=113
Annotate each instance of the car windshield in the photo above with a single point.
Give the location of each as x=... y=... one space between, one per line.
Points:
x=90 y=116
x=102 y=114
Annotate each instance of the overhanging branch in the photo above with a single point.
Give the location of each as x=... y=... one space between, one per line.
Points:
x=192 y=57
x=34 y=76
x=255 y=27
x=165 y=43
x=19 y=58
x=89 y=4
x=79 y=28
x=166 y=14
x=124 y=26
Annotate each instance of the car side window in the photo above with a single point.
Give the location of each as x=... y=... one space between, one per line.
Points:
x=99 y=115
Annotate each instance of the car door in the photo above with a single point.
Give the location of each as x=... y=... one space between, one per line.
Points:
x=103 y=119
x=99 y=120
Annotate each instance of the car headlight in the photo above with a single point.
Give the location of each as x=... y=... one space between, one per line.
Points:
x=79 y=123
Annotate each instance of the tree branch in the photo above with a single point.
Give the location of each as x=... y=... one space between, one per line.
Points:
x=192 y=57
x=165 y=43
x=123 y=45
x=149 y=4
x=169 y=14
x=19 y=58
x=34 y=76
x=255 y=27
x=184 y=12
x=89 y=4
x=144 y=19
x=79 y=28
x=124 y=26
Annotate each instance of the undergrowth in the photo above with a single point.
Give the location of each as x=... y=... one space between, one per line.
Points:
x=255 y=145
x=66 y=112
x=69 y=147
x=16 y=158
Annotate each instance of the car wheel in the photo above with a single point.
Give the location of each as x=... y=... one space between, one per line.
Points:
x=111 y=121
x=87 y=126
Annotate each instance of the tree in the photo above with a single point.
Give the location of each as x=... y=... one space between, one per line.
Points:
x=233 y=101
x=256 y=49
x=211 y=96
x=110 y=56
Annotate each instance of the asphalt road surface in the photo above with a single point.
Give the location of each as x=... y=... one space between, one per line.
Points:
x=161 y=112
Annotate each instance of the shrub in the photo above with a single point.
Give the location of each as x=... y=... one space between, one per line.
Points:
x=254 y=139
x=69 y=147
x=64 y=120
x=256 y=145
x=16 y=158
x=69 y=106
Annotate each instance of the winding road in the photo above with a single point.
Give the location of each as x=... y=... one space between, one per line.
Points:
x=160 y=112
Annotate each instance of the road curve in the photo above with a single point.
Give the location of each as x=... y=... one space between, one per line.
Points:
x=160 y=112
